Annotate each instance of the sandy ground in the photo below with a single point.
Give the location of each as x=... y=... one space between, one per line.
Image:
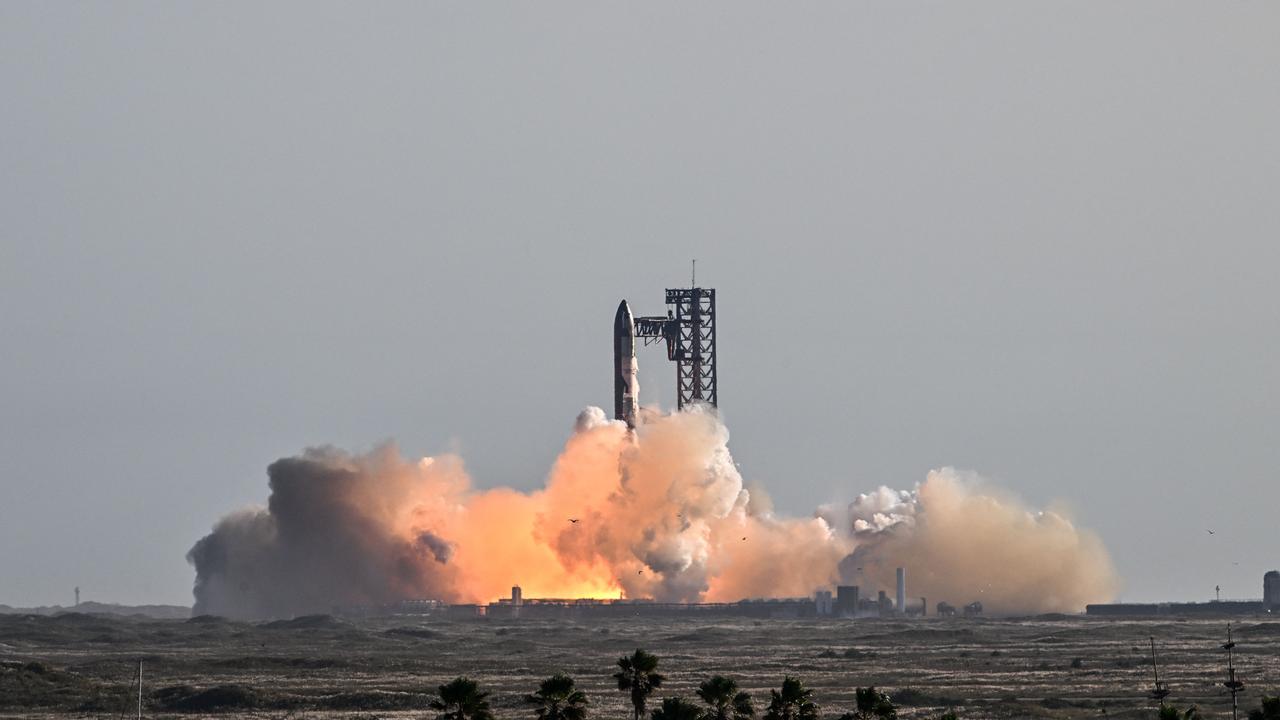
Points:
x=1044 y=667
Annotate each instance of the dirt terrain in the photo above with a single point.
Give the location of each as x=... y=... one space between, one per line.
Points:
x=76 y=665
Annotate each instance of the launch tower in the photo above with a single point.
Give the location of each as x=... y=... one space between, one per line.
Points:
x=689 y=330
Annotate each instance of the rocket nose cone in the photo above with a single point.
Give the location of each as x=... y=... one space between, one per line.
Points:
x=624 y=312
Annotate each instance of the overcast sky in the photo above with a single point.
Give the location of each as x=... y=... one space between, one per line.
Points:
x=1035 y=240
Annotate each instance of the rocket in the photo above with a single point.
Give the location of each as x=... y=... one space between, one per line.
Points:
x=626 y=387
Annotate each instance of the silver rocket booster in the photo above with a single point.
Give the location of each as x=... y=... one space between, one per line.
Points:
x=626 y=386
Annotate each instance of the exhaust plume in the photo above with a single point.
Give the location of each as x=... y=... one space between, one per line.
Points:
x=964 y=540
x=658 y=513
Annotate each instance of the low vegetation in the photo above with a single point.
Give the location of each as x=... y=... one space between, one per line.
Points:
x=37 y=685
x=320 y=667
x=1268 y=710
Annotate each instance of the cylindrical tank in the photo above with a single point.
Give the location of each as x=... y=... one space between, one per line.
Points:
x=1271 y=590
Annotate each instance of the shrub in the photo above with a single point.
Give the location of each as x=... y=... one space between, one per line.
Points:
x=184 y=698
x=1269 y=710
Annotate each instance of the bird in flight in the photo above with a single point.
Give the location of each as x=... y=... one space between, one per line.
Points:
x=1209 y=531
x=639 y=572
x=744 y=538
x=573 y=520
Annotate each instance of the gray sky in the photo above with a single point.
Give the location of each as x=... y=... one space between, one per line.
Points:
x=1035 y=240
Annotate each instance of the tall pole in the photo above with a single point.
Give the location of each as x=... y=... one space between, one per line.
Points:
x=1233 y=685
x=139 y=688
x=1155 y=668
x=1160 y=692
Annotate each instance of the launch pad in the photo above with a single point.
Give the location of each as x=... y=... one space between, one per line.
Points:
x=689 y=331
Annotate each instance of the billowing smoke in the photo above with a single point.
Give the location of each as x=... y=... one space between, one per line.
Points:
x=963 y=540
x=334 y=530
x=661 y=513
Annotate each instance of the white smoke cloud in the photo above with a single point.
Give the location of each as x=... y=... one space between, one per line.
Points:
x=962 y=539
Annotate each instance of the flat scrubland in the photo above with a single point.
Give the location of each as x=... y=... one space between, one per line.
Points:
x=76 y=665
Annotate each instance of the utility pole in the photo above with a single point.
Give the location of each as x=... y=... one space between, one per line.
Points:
x=1232 y=685
x=1160 y=692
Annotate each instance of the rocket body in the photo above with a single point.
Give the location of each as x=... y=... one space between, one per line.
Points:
x=626 y=385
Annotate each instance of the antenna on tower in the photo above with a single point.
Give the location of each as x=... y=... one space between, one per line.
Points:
x=1232 y=685
x=693 y=274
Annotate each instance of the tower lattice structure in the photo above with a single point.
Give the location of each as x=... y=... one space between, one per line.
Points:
x=689 y=330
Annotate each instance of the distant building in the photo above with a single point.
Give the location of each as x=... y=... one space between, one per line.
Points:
x=902 y=591
x=946 y=609
x=822 y=603
x=846 y=600
x=1270 y=602
x=1213 y=607
x=1123 y=609
x=465 y=611
x=415 y=607
x=972 y=609
x=1271 y=591
x=922 y=609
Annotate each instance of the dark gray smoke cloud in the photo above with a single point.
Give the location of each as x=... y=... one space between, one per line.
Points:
x=440 y=548
x=324 y=539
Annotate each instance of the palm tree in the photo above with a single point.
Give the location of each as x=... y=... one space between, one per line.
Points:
x=675 y=708
x=1169 y=712
x=873 y=705
x=461 y=699
x=557 y=700
x=721 y=693
x=794 y=702
x=638 y=674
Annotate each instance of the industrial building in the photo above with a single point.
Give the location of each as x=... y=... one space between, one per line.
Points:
x=846 y=602
x=519 y=607
x=1270 y=603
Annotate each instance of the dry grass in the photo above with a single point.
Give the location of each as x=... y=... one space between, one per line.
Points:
x=327 y=668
